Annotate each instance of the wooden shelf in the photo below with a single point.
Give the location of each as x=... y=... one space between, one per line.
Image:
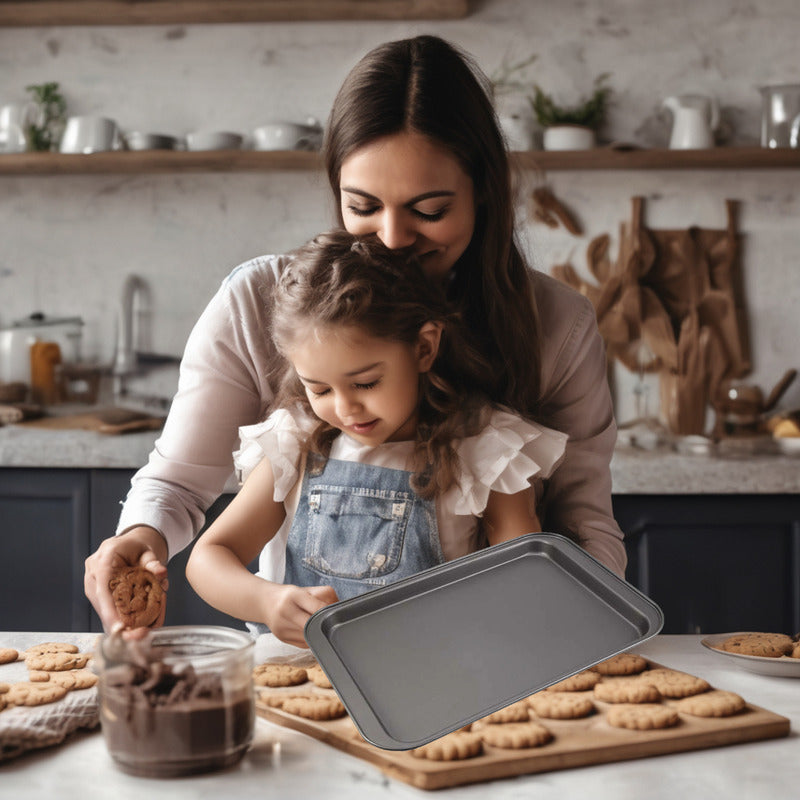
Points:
x=37 y=13
x=658 y=158
x=171 y=161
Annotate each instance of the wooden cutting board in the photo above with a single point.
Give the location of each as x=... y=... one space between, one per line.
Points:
x=102 y=420
x=576 y=743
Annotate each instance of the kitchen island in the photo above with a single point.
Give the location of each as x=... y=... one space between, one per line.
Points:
x=288 y=765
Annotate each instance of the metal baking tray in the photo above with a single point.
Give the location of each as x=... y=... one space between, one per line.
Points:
x=424 y=656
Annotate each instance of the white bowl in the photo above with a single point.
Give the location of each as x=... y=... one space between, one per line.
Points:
x=789 y=445
x=136 y=140
x=213 y=140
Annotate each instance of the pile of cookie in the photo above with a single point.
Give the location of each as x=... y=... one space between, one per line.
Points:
x=633 y=694
x=54 y=668
x=626 y=689
x=766 y=645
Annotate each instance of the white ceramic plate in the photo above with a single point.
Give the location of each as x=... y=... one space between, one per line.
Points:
x=783 y=667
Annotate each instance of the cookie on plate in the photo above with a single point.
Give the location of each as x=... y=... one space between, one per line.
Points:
x=626 y=690
x=56 y=662
x=8 y=654
x=621 y=664
x=642 y=716
x=516 y=735
x=766 y=645
x=318 y=677
x=455 y=746
x=716 y=703
x=138 y=596
x=561 y=705
x=51 y=647
x=279 y=675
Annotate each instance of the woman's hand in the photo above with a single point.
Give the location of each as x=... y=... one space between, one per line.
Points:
x=142 y=546
x=289 y=608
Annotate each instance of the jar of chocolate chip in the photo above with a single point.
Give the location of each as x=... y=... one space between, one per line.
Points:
x=179 y=701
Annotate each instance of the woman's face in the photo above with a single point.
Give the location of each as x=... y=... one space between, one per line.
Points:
x=411 y=193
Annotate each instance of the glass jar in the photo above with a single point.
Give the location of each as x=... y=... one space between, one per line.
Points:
x=780 y=120
x=179 y=701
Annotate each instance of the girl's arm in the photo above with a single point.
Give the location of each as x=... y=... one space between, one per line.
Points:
x=509 y=515
x=217 y=568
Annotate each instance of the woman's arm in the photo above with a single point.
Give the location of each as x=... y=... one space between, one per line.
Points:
x=508 y=516
x=222 y=386
x=576 y=400
x=217 y=568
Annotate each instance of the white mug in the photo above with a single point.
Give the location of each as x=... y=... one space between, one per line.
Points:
x=14 y=122
x=89 y=134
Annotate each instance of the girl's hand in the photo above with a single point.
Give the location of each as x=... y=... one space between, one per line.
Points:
x=142 y=546
x=290 y=608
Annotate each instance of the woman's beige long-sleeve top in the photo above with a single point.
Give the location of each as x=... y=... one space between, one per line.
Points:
x=224 y=385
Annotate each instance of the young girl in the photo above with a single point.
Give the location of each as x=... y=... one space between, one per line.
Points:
x=384 y=456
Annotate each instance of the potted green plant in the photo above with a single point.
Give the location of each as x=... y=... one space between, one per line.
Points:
x=571 y=127
x=45 y=132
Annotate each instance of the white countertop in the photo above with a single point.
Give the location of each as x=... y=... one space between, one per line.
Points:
x=633 y=471
x=287 y=765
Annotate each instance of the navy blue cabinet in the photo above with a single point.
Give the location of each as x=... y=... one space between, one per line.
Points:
x=716 y=563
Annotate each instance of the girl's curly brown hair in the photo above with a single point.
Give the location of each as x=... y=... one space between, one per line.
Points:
x=340 y=279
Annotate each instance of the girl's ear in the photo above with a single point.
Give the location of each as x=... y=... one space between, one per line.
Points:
x=427 y=347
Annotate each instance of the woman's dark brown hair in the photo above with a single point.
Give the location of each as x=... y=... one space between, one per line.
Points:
x=340 y=280
x=427 y=86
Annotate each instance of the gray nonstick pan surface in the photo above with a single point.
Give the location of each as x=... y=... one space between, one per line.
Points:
x=424 y=656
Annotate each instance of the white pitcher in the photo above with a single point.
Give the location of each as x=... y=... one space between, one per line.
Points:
x=695 y=118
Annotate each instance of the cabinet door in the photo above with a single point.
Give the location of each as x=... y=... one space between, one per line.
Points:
x=44 y=539
x=716 y=563
x=184 y=607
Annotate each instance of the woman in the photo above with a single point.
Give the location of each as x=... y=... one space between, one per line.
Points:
x=414 y=155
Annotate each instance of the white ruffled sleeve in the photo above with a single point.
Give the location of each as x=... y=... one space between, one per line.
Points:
x=278 y=438
x=504 y=457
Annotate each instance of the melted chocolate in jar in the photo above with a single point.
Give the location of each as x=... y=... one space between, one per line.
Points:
x=164 y=720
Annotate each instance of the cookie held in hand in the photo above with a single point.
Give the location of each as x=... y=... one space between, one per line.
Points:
x=137 y=595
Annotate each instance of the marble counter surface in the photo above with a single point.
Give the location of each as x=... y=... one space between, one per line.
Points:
x=289 y=765
x=633 y=471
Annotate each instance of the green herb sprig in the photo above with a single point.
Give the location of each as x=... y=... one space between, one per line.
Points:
x=46 y=131
x=590 y=112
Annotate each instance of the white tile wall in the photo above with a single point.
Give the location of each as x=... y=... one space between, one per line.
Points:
x=67 y=243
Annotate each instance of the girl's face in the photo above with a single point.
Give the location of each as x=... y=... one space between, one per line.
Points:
x=411 y=193
x=365 y=386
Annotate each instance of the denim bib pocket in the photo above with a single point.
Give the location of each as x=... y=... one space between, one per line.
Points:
x=356 y=532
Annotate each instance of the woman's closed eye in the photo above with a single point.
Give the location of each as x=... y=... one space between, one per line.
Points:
x=370 y=385
x=425 y=216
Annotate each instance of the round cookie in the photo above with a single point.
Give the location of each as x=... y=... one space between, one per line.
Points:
x=673 y=683
x=580 y=682
x=279 y=675
x=516 y=712
x=766 y=645
x=716 y=703
x=138 y=596
x=627 y=690
x=314 y=707
x=56 y=662
x=84 y=678
x=34 y=694
x=621 y=664
x=455 y=746
x=65 y=679
x=8 y=654
x=642 y=716
x=38 y=676
x=516 y=735
x=561 y=705
x=51 y=647
x=318 y=677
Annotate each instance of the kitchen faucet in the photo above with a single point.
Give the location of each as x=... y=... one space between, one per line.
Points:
x=125 y=358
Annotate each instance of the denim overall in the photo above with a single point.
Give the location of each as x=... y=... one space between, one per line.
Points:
x=358 y=527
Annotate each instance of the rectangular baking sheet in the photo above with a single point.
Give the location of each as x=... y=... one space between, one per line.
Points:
x=424 y=656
